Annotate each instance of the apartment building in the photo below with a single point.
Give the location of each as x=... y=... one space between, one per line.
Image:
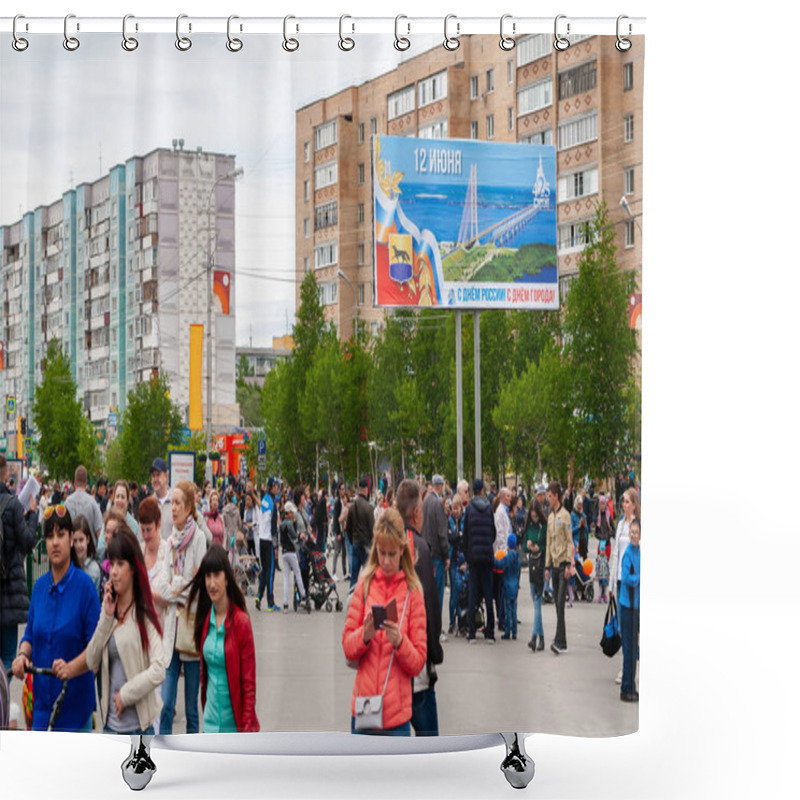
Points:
x=117 y=270
x=586 y=100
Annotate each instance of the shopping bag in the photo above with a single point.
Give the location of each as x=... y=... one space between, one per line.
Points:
x=611 y=641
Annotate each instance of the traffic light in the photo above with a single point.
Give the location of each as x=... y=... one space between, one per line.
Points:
x=23 y=426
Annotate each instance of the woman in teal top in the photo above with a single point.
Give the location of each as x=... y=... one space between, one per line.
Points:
x=224 y=637
x=535 y=545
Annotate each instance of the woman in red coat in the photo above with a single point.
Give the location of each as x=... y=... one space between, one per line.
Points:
x=224 y=637
x=397 y=648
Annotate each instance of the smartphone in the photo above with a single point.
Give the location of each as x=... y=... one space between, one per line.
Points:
x=379 y=616
x=113 y=592
x=391 y=610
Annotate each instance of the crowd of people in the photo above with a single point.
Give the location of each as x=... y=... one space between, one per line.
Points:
x=147 y=584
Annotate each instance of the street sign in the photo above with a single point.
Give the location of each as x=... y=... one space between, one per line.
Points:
x=11 y=405
x=27 y=444
x=262 y=463
x=3 y=444
x=262 y=447
x=113 y=419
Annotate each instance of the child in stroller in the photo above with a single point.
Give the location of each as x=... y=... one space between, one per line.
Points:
x=584 y=585
x=320 y=585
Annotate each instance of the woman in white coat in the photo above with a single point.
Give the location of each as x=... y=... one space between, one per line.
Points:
x=187 y=547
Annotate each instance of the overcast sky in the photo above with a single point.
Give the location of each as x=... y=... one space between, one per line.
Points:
x=67 y=118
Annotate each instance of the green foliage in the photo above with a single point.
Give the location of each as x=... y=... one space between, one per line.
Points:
x=65 y=434
x=150 y=425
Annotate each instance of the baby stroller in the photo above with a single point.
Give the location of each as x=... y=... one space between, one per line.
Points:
x=321 y=586
x=463 y=609
x=246 y=568
x=584 y=586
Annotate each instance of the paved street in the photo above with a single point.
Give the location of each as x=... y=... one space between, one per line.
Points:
x=304 y=683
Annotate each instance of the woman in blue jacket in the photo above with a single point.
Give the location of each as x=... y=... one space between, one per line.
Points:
x=629 y=614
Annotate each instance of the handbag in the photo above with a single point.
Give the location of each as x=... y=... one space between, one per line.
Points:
x=184 y=635
x=369 y=708
x=611 y=641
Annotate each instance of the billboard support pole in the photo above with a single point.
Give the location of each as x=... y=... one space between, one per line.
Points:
x=478 y=464
x=459 y=402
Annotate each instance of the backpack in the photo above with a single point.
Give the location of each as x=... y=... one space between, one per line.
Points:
x=5 y=499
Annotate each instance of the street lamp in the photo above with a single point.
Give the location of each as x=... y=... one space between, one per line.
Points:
x=341 y=275
x=232 y=175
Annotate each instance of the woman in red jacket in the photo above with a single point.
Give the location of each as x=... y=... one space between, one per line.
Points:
x=224 y=637
x=394 y=648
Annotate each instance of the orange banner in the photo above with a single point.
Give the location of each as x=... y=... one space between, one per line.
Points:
x=196 y=378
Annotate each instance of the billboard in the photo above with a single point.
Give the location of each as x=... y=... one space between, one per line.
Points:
x=464 y=224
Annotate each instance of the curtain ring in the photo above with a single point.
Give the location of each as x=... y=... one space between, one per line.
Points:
x=401 y=42
x=560 y=42
x=507 y=42
x=128 y=42
x=234 y=45
x=183 y=43
x=345 y=43
x=18 y=43
x=451 y=42
x=71 y=43
x=289 y=44
x=623 y=45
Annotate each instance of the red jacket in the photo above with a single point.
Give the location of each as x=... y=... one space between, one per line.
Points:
x=240 y=665
x=373 y=658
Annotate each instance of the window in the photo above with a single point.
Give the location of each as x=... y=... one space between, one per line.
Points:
x=573 y=236
x=361 y=293
x=489 y=81
x=534 y=96
x=326 y=254
x=473 y=129
x=326 y=174
x=373 y=125
x=306 y=228
x=510 y=70
x=510 y=118
x=473 y=87
x=361 y=133
x=360 y=254
x=306 y=190
x=325 y=135
x=629 y=233
x=305 y=264
x=328 y=293
x=532 y=47
x=361 y=173
x=433 y=88
x=540 y=137
x=578 y=79
x=490 y=126
x=629 y=183
x=577 y=130
x=306 y=151
x=629 y=128
x=436 y=130
x=627 y=76
x=326 y=215
x=577 y=184
x=401 y=102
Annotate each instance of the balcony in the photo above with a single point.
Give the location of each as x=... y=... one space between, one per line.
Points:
x=99 y=413
x=97 y=353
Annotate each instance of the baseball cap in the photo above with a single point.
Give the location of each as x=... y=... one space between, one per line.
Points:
x=512 y=541
x=159 y=465
x=290 y=508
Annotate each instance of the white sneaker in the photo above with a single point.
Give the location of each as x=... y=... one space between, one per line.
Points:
x=443 y=637
x=335 y=577
x=618 y=679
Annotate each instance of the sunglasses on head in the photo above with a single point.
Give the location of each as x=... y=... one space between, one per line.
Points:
x=60 y=511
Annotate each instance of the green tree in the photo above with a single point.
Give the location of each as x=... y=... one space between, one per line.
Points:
x=601 y=348
x=152 y=423
x=65 y=435
x=248 y=396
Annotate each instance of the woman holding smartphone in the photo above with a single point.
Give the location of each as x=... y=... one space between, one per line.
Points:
x=126 y=643
x=224 y=637
x=390 y=654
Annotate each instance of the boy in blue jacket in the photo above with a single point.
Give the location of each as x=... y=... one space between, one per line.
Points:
x=629 y=614
x=511 y=570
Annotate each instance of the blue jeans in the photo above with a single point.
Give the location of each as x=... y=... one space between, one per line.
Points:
x=358 y=557
x=439 y=573
x=349 y=549
x=538 y=628
x=629 y=631
x=169 y=694
x=399 y=730
x=510 y=602
x=8 y=646
x=453 y=595
x=424 y=713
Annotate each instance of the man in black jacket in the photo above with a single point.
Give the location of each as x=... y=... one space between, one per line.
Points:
x=479 y=536
x=18 y=539
x=424 y=711
x=360 y=522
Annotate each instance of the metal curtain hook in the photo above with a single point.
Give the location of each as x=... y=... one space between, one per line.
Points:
x=18 y=42
x=128 y=42
x=345 y=43
x=623 y=45
x=507 y=42
x=401 y=42
x=234 y=45
x=560 y=42
x=451 y=42
x=289 y=44
x=70 y=42
x=183 y=43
